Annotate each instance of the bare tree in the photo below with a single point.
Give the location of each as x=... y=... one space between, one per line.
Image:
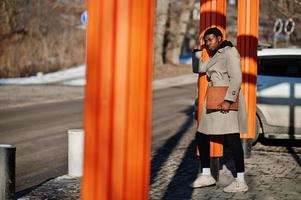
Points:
x=179 y=15
x=161 y=19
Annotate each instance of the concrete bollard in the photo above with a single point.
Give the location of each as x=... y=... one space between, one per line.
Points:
x=7 y=171
x=75 y=152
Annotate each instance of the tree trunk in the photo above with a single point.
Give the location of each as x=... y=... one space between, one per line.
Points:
x=161 y=19
x=179 y=16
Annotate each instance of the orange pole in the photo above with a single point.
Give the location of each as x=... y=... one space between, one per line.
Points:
x=247 y=40
x=118 y=99
x=213 y=13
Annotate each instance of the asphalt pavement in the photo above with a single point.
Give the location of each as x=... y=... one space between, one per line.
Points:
x=39 y=133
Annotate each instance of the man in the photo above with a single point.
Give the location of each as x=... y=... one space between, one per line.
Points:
x=222 y=69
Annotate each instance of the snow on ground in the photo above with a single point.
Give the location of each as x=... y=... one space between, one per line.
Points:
x=67 y=76
x=76 y=77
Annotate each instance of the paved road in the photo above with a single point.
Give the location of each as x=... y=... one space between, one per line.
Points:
x=39 y=130
x=40 y=134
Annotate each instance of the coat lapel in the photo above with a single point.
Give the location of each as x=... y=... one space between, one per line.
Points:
x=214 y=59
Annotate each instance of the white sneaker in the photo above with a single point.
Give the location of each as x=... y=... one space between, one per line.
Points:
x=236 y=186
x=203 y=181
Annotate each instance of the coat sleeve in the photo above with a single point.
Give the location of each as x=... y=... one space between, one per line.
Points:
x=198 y=66
x=234 y=72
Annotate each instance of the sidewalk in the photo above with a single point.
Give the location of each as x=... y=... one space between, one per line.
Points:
x=270 y=176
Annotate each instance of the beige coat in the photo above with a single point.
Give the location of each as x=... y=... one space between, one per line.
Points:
x=223 y=69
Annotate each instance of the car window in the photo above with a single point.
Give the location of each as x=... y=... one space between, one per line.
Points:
x=279 y=66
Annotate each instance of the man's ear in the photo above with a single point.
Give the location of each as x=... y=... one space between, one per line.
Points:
x=219 y=38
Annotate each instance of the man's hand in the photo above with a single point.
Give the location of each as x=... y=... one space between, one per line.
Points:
x=225 y=106
x=201 y=47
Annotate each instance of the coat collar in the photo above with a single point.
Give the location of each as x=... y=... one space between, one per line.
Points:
x=222 y=45
x=213 y=59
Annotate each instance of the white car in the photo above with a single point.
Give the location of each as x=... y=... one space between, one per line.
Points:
x=279 y=93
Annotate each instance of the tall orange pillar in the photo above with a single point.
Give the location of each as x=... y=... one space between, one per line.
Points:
x=118 y=99
x=213 y=13
x=247 y=40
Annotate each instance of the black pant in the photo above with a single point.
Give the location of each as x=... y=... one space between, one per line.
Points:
x=232 y=140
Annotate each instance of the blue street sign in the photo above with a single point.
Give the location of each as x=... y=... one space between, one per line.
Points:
x=84 y=18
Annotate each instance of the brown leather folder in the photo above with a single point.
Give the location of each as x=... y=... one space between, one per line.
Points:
x=215 y=96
